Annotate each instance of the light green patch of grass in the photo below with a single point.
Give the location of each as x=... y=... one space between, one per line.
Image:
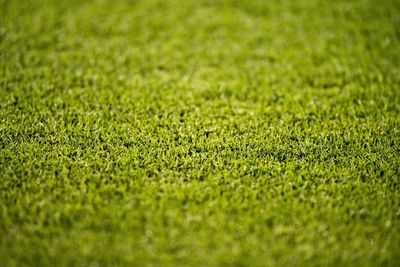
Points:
x=199 y=133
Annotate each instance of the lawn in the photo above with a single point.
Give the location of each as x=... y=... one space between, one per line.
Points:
x=199 y=133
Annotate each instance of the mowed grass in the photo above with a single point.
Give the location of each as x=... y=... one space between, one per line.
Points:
x=199 y=133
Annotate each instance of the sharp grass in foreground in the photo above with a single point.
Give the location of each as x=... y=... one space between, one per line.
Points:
x=199 y=133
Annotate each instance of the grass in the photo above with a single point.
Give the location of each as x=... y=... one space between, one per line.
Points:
x=199 y=133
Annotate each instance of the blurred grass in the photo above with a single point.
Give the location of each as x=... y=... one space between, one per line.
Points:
x=193 y=133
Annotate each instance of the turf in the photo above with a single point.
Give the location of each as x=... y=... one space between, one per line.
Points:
x=199 y=133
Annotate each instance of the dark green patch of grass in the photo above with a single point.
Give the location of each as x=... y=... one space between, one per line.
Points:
x=204 y=133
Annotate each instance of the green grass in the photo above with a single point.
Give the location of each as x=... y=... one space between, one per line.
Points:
x=199 y=133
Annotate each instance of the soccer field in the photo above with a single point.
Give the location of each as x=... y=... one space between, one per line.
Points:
x=199 y=133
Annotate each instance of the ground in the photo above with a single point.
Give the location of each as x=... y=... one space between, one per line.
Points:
x=199 y=133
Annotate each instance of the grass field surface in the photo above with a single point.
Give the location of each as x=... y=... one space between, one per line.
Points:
x=199 y=133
